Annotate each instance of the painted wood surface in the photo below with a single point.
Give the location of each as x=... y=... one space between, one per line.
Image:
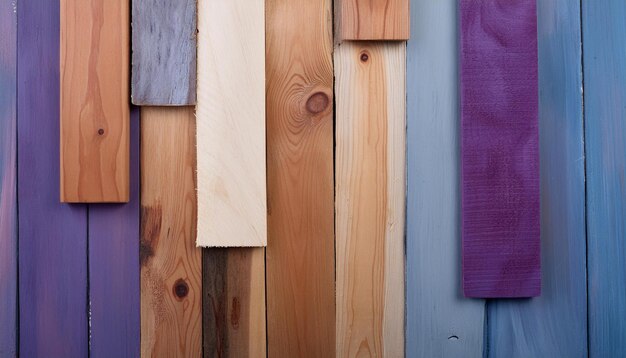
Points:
x=300 y=263
x=8 y=179
x=164 y=52
x=440 y=322
x=232 y=200
x=94 y=51
x=554 y=324
x=114 y=267
x=233 y=315
x=370 y=187
x=604 y=26
x=372 y=20
x=52 y=236
x=171 y=292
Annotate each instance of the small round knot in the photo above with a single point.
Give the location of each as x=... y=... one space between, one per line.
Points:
x=100 y=131
x=364 y=57
x=181 y=289
x=317 y=103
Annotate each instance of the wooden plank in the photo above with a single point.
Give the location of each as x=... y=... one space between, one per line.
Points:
x=370 y=188
x=52 y=237
x=171 y=292
x=232 y=204
x=604 y=26
x=233 y=315
x=499 y=149
x=554 y=324
x=300 y=265
x=372 y=20
x=440 y=322
x=114 y=268
x=94 y=100
x=164 y=52
x=8 y=188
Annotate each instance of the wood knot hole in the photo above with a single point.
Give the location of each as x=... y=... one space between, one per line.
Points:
x=453 y=338
x=364 y=57
x=317 y=103
x=100 y=131
x=181 y=289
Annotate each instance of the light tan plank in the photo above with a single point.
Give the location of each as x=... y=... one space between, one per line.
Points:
x=372 y=19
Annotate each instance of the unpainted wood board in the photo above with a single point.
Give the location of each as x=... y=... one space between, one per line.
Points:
x=440 y=322
x=232 y=200
x=300 y=263
x=171 y=292
x=604 y=44
x=94 y=105
x=370 y=188
x=8 y=179
x=554 y=324
x=372 y=20
x=52 y=244
x=164 y=52
x=233 y=314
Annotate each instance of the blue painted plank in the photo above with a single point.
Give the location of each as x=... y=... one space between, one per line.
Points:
x=604 y=43
x=554 y=324
x=440 y=322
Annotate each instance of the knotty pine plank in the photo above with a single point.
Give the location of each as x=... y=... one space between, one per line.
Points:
x=94 y=52
x=300 y=261
x=372 y=20
x=232 y=200
x=171 y=292
x=370 y=189
x=164 y=52
x=233 y=315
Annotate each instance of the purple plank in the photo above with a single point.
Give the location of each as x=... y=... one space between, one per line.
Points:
x=114 y=267
x=8 y=202
x=52 y=236
x=499 y=148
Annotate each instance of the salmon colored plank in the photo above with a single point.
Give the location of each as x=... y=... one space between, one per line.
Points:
x=372 y=19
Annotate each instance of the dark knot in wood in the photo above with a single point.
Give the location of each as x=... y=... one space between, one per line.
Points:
x=181 y=289
x=317 y=103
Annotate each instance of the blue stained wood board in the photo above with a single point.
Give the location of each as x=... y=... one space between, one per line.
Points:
x=604 y=43
x=440 y=322
x=554 y=324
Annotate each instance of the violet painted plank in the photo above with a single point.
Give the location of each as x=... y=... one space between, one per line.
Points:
x=8 y=200
x=114 y=267
x=499 y=149
x=52 y=236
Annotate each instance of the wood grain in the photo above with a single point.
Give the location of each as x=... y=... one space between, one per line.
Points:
x=232 y=200
x=440 y=322
x=171 y=292
x=233 y=315
x=370 y=188
x=300 y=262
x=164 y=52
x=554 y=324
x=95 y=41
x=372 y=20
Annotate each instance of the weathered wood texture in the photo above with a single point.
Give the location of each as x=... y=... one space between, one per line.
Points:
x=171 y=292
x=52 y=236
x=554 y=324
x=232 y=200
x=370 y=189
x=164 y=52
x=372 y=20
x=233 y=315
x=8 y=176
x=300 y=261
x=94 y=51
x=440 y=322
x=114 y=267
x=604 y=26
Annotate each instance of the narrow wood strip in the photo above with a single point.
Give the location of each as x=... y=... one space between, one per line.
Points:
x=95 y=41
x=300 y=254
x=233 y=315
x=232 y=200
x=114 y=268
x=52 y=237
x=499 y=149
x=164 y=52
x=171 y=292
x=370 y=187
x=8 y=182
x=555 y=324
x=372 y=20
